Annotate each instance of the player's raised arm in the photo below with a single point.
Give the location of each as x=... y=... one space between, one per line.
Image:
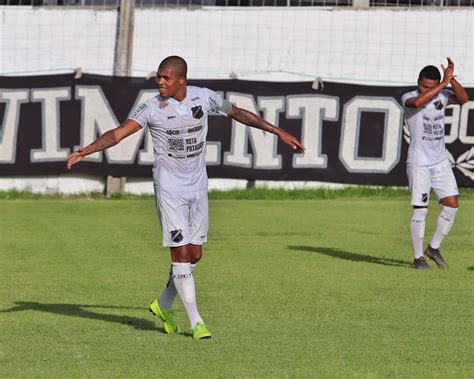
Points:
x=255 y=121
x=460 y=95
x=108 y=139
x=429 y=88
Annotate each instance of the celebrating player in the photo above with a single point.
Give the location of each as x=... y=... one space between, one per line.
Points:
x=427 y=164
x=178 y=121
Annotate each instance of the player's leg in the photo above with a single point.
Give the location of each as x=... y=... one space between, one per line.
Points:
x=419 y=183
x=173 y=213
x=186 y=257
x=445 y=187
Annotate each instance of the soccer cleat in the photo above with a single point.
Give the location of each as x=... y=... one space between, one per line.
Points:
x=166 y=316
x=420 y=264
x=435 y=255
x=200 y=331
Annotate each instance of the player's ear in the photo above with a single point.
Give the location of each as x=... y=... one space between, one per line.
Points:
x=182 y=80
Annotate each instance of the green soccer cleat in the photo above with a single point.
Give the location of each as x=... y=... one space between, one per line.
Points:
x=166 y=316
x=200 y=331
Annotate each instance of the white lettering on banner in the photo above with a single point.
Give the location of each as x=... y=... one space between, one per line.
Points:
x=263 y=143
x=49 y=99
x=452 y=120
x=463 y=124
x=146 y=155
x=97 y=118
x=272 y=107
x=313 y=109
x=9 y=131
x=213 y=153
x=350 y=134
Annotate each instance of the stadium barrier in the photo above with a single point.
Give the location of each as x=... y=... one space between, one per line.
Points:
x=354 y=134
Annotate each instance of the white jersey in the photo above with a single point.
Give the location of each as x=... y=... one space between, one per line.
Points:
x=178 y=131
x=426 y=126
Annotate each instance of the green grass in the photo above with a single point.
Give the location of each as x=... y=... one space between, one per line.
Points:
x=300 y=288
x=349 y=192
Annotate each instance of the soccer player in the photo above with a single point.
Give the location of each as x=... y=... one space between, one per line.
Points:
x=427 y=164
x=177 y=119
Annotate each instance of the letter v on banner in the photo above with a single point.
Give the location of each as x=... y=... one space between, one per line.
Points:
x=9 y=126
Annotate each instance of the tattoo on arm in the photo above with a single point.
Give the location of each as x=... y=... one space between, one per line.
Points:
x=251 y=119
x=105 y=141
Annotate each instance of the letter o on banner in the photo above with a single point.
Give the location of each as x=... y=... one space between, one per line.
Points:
x=392 y=138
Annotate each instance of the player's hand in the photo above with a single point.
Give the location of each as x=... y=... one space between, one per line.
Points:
x=75 y=157
x=291 y=141
x=451 y=65
x=448 y=72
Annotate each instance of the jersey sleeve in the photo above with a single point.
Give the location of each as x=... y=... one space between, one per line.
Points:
x=405 y=97
x=217 y=104
x=444 y=94
x=140 y=114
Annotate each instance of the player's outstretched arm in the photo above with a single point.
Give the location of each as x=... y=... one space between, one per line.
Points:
x=108 y=139
x=255 y=121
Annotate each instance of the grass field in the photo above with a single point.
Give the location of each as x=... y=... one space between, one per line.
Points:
x=301 y=288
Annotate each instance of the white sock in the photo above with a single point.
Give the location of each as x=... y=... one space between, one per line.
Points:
x=184 y=283
x=168 y=295
x=443 y=226
x=417 y=230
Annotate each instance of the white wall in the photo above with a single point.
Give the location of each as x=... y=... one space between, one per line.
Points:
x=366 y=46
x=380 y=45
x=56 y=40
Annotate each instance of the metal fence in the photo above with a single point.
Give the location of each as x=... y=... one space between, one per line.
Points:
x=241 y=3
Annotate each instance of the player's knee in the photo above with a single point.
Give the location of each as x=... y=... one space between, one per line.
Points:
x=196 y=256
x=186 y=254
x=195 y=252
x=451 y=202
x=181 y=254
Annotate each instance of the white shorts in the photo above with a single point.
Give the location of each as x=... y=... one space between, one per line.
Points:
x=421 y=179
x=184 y=217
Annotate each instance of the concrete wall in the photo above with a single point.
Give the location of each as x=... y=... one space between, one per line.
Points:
x=376 y=45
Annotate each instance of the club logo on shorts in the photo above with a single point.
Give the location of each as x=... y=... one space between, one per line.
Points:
x=424 y=197
x=197 y=111
x=176 y=235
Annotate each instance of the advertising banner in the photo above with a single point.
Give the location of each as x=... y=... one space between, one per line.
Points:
x=353 y=134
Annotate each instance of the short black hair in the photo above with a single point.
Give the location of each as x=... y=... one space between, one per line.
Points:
x=179 y=64
x=430 y=72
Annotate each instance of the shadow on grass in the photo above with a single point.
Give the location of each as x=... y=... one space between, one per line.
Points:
x=80 y=310
x=341 y=254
